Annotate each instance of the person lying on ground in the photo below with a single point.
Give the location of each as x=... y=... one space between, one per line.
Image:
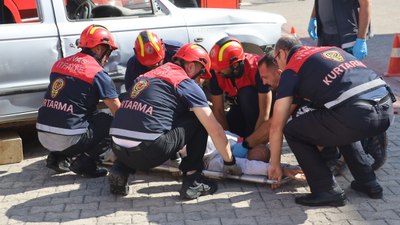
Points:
x=252 y=162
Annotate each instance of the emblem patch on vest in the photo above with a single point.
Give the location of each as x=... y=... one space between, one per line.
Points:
x=139 y=87
x=57 y=86
x=333 y=55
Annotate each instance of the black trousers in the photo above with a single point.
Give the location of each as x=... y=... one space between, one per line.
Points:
x=342 y=126
x=149 y=154
x=242 y=117
x=332 y=40
x=96 y=140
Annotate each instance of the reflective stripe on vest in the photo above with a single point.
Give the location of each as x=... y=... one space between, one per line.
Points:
x=62 y=131
x=354 y=91
x=138 y=135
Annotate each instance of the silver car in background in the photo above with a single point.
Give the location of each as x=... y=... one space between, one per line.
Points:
x=29 y=49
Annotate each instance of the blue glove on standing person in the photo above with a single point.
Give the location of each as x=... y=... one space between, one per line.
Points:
x=312 y=28
x=360 y=50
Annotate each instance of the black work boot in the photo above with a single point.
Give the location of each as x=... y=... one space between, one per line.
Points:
x=333 y=197
x=195 y=185
x=376 y=147
x=373 y=189
x=86 y=166
x=327 y=198
x=118 y=178
x=57 y=162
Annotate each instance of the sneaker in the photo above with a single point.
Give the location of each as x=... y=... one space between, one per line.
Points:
x=376 y=147
x=58 y=163
x=373 y=189
x=195 y=185
x=85 y=166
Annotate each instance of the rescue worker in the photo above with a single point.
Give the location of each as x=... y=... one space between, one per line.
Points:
x=350 y=102
x=68 y=123
x=346 y=24
x=236 y=77
x=150 y=52
x=342 y=23
x=163 y=111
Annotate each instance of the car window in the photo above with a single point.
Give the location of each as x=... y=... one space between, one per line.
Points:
x=93 y=9
x=18 y=11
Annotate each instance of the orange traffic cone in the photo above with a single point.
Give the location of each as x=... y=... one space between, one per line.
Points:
x=394 y=64
x=293 y=31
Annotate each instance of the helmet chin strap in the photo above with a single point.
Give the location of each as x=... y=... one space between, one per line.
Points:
x=94 y=55
x=181 y=63
x=91 y=53
x=238 y=71
x=201 y=72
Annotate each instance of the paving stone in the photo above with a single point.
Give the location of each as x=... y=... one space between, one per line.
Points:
x=381 y=214
x=273 y=220
x=213 y=221
x=171 y=217
x=165 y=209
x=30 y=196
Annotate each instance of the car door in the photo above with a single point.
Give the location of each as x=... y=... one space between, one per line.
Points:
x=137 y=15
x=28 y=48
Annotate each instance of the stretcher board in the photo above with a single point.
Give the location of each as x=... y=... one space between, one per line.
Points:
x=219 y=175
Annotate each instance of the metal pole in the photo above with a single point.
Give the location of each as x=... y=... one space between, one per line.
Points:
x=219 y=175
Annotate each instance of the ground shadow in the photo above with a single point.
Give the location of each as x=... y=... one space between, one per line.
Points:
x=70 y=198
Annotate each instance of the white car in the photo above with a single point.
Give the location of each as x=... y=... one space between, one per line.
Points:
x=29 y=48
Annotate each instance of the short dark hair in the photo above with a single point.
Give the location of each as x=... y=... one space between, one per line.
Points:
x=268 y=59
x=287 y=42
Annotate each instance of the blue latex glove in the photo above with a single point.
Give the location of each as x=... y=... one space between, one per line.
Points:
x=360 y=50
x=312 y=28
x=239 y=151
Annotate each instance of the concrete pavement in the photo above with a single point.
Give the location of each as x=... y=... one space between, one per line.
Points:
x=32 y=194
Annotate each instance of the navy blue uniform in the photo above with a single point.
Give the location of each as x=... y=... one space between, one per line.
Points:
x=134 y=68
x=77 y=83
x=351 y=103
x=337 y=23
x=155 y=114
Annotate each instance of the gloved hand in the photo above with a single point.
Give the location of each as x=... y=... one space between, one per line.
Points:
x=360 y=50
x=312 y=28
x=239 y=151
x=231 y=168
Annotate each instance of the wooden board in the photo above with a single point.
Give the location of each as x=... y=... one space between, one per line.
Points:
x=10 y=147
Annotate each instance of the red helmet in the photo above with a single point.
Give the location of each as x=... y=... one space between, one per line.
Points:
x=195 y=53
x=225 y=53
x=94 y=35
x=149 y=48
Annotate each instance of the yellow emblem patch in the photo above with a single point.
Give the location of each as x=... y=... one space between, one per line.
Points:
x=57 y=86
x=139 y=87
x=333 y=55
